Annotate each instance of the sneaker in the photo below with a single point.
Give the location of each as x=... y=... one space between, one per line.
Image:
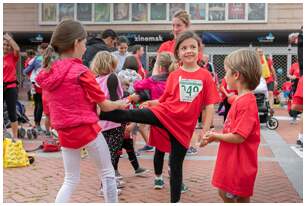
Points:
x=38 y=128
x=100 y=192
x=192 y=151
x=118 y=175
x=184 y=188
x=141 y=171
x=158 y=184
x=120 y=184
x=48 y=134
x=293 y=121
x=84 y=153
x=146 y=148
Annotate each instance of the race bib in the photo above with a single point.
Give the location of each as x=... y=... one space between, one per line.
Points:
x=189 y=89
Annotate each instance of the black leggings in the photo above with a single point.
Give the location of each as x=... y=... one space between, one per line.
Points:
x=128 y=145
x=38 y=108
x=114 y=139
x=178 y=151
x=158 y=162
x=10 y=98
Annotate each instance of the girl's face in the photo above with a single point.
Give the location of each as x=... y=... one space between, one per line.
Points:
x=6 y=46
x=231 y=78
x=122 y=48
x=79 y=48
x=178 y=26
x=188 y=51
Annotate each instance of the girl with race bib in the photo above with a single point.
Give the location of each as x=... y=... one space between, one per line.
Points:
x=189 y=90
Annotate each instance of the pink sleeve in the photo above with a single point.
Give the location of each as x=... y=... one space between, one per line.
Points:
x=145 y=84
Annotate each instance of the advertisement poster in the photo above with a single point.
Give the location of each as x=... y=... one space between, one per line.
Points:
x=48 y=12
x=256 y=11
x=174 y=8
x=139 y=12
x=197 y=11
x=216 y=12
x=84 y=12
x=102 y=12
x=66 y=11
x=158 y=11
x=236 y=11
x=121 y=12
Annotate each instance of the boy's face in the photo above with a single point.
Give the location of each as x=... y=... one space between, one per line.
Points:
x=230 y=78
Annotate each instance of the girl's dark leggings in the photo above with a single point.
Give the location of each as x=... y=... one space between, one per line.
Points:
x=178 y=151
x=38 y=108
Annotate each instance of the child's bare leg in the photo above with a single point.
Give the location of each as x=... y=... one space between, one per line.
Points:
x=143 y=130
x=225 y=199
x=243 y=199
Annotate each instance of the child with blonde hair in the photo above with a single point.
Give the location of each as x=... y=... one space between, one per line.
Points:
x=104 y=65
x=236 y=165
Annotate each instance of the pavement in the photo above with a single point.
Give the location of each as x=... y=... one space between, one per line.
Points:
x=279 y=178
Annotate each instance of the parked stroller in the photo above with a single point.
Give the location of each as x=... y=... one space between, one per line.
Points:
x=22 y=119
x=264 y=111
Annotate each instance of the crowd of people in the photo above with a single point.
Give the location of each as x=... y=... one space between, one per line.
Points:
x=71 y=77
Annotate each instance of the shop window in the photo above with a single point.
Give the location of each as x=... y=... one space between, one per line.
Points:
x=140 y=12
x=158 y=12
x=84 y=12
x=216 y=12
x=48 y=12
x=236 y=11
x=256 y=12
x=121 y=12
x=197 y=11
x=174 y=8
x=102 y=12
x=66 y=11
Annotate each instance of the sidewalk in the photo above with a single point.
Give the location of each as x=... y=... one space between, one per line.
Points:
x=279 y=176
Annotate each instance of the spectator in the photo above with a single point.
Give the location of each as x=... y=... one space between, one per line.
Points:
x=122 y=53
x=138 y=52
x=94 y=45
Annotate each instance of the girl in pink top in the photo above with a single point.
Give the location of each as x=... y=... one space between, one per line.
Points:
x=73 y=95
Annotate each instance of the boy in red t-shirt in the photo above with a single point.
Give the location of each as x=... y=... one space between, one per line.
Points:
x=236 y=164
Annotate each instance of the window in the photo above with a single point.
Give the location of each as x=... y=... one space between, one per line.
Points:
x=102 y=12
x=216 y=12
x=48 y=13
x=140 y=12
x=197 y=11
x=84 y=12
x=66 y=11
x=174 y=8
x=121 y=12
x=158 y=12
x=256 y=11
x=236 y=11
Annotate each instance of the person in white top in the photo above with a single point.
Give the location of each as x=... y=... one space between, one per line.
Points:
x=121 y=53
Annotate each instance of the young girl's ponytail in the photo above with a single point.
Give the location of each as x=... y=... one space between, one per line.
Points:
x=47 y=57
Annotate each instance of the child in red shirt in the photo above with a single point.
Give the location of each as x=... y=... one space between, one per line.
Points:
x=286 y=89
x=236 y=164
x=72 y=97
x=189 y=90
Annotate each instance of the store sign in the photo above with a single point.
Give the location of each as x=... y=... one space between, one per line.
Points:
x=139 y=38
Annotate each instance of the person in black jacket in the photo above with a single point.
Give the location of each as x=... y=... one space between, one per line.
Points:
x=94 y=45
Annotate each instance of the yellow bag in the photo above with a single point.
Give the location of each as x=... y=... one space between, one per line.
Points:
x=265 y=72
x=14 y=154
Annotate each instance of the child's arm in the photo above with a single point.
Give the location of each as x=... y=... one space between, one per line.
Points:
x=13 y=44
x=207 y=117
x=224 y=90
x=228 y=137
x=107 y=106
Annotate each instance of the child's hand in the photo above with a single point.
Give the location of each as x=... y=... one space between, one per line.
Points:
x=145 y=104
x=7 y=37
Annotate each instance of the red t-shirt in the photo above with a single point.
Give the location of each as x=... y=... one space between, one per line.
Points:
x=76 y=137
x=295 y=70
x=180 y=117
x=236 y=164
x=9 y=69
x=224 y=84
x=298 y=95
x=141 y=71
x=287 y=86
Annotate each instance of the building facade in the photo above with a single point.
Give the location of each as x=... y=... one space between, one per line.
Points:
x=223 y=27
